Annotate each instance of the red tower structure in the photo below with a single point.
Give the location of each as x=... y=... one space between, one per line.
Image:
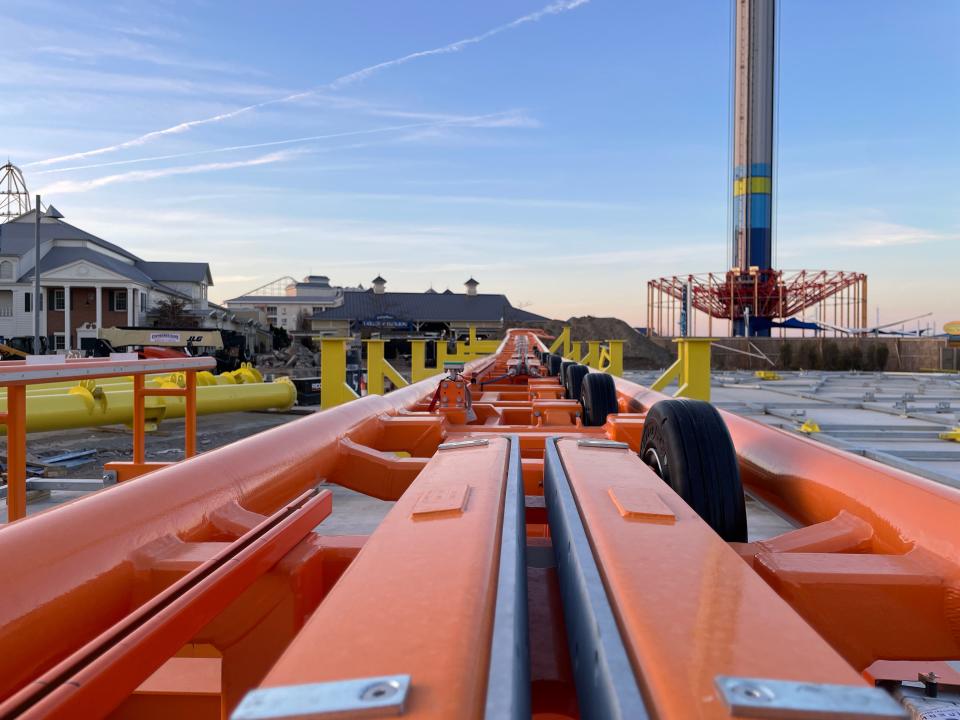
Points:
x=753 y=296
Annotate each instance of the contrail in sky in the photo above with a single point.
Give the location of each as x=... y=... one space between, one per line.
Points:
x=62 y=187
x=554 y=8
x=469 y=120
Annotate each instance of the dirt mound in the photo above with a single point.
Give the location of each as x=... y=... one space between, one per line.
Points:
x=639 y=353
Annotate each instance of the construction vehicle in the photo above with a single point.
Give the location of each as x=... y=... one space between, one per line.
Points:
x=229 y=348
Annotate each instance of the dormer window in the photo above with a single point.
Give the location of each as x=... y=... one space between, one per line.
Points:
x=6 y=270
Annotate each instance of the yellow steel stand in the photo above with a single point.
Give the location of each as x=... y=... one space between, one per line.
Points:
x=592 y=358
x=565 y=346
x=418 y=360
x=379 y=369
x=333 y=373
x=692 y=369
x=615 y=350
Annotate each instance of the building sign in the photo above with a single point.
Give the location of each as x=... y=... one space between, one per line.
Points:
x=164 y=337
x=952 y=328
x=387 y=321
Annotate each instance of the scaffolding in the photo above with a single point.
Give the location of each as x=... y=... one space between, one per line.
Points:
x=704 y=303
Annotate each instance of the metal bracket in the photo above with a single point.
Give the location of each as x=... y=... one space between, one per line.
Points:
x=794 y=700
x=584 y=442
x=340 y=699
x=463 y=444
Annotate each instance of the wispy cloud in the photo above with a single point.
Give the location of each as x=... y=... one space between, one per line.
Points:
x=878 y=234
x=511 y=118
x=554 y=8
x=883 y=234
x=63 y=187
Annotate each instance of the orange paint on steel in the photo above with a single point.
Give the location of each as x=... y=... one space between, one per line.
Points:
x=15 y=418
x=76 y=594
x=190 y=415
x=688 y=607
x=419 y=598
x=811 y=482
x=98 y=677
x=139 y=429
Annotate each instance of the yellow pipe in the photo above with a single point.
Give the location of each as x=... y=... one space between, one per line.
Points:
x=86 y=406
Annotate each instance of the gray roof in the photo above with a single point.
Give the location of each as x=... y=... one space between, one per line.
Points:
x=427 y=307
x=60 y=256
x=17 y=238
x=197 y=272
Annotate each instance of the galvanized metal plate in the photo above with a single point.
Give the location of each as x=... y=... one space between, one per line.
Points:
x=790 y=699
x=463 y=444
x=593 y=443
x=338 y=700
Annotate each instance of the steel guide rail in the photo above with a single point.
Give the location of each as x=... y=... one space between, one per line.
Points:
x=606 y=684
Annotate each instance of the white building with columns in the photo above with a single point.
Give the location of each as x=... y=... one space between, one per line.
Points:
x=86 y=283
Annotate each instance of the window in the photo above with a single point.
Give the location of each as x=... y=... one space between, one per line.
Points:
x=118 y=300
x=59 y=341
x=143 y=302
x=272 y=310
x=6 y=270
x=58 y=299
x=315 y=309
x=28 y=302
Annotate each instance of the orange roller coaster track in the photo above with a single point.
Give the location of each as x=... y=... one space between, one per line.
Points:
x=547 y=556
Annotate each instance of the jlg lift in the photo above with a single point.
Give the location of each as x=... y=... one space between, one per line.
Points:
x=563 y=544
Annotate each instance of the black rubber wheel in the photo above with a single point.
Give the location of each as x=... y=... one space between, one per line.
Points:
x=553 y=364
x=687 y=444
x=598 y=395
x=574 y=380
x=562 y=375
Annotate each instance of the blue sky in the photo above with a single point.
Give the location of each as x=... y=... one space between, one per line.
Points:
x=564 y=154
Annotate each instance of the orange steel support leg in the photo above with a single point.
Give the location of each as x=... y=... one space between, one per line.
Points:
x=16 y=421
x=139 y=441
x=190 y=415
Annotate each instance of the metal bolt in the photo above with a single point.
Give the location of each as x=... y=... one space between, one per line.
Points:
x=755 y=692
x=931 y=683
x=380 y=691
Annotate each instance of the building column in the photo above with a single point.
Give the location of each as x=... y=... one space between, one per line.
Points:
x=67 y=330
x=99 y=292
x=129 y=305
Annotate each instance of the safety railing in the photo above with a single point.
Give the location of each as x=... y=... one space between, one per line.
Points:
x=603 y=355
x=16 y=376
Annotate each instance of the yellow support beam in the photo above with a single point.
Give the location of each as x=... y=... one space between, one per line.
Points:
x=564 y=345
x=378 y=369
x=418 y=360
x=592 y=358
x=691 y=370
x=333 y=373
x=615 y=351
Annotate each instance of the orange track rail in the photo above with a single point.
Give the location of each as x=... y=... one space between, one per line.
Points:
x=865 y=588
